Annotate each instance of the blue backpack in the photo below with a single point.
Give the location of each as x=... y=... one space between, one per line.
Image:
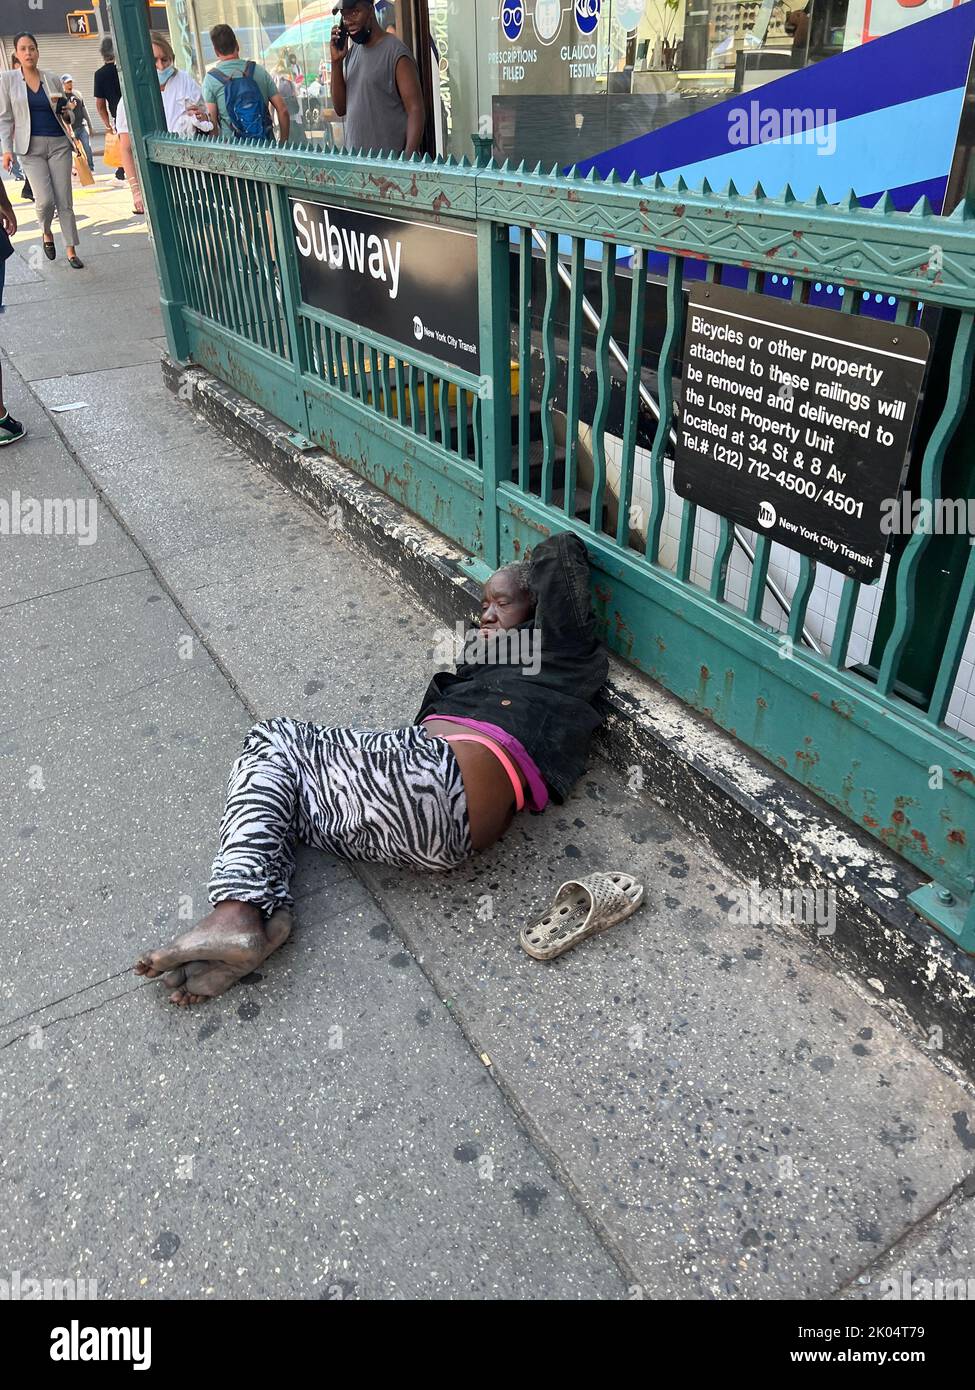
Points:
x=246 y=106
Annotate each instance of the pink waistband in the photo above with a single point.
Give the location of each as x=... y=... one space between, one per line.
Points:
x=501 y=756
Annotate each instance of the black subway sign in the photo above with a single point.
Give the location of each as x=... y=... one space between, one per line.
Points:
x=414 y=282
x=795 y=421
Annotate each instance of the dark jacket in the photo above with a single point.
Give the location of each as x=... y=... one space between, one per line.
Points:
x=551 y=713
x=78 y=113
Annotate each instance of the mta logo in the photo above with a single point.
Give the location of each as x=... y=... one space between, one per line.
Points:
x=512 y=19
x=587 y=15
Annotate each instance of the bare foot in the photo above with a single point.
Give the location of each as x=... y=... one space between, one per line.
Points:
x=202 y=980
x=231 y=933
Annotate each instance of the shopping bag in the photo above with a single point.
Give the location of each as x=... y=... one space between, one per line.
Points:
x=113 y=150
x=85 y=176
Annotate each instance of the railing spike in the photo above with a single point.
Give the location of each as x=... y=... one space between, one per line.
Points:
x=633 y=180
x=556 y=172
x=819 y=199
x=850 y=202
x=572 y=172
x=520 y=169
x=612 y=177
x=732 y=190
x=922 y=208
x=682 y=185
x=658 y=183
x=706 y=186
x=758 y=193
x=538 y=168
x=505 y=167
x=964 y=212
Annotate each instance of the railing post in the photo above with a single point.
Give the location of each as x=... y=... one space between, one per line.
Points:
x=144 y=113
x=493 y=277
x=291 y=290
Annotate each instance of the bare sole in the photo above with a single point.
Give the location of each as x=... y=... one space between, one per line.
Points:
x=199 y=981
x=232 y=943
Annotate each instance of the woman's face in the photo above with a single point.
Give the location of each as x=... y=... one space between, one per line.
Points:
x=504 y=603
x=160 y=58
x=27 y=53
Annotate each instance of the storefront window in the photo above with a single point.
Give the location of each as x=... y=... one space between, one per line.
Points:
x=749 y=90
x=288 y=38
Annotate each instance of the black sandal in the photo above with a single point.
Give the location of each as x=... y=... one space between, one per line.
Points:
x=50 y=250
x=75 y=263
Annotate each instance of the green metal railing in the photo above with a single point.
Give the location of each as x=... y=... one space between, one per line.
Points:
x=492 y=463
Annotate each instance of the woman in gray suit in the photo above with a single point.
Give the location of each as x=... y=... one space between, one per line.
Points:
x=31 y=129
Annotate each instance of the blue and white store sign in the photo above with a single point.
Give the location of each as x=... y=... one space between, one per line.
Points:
x=587 y=15
x=548 y=20
x=512 y=19
x=628 y=13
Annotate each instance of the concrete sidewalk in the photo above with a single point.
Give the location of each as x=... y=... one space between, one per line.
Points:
x=400 y=1104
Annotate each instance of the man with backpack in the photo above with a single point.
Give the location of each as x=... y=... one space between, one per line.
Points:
x=241 y=95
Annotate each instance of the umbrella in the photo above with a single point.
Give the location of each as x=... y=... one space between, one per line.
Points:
x=313 y=26
x=308 y=33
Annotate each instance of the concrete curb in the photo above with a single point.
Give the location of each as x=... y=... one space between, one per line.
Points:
x=768 y=828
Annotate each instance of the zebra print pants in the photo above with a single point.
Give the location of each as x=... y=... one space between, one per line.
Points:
x=390 y=797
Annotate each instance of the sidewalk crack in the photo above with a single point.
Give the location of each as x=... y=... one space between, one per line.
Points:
x=70 y=588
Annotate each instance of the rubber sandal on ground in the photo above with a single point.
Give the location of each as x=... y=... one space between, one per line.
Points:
x=582 y=907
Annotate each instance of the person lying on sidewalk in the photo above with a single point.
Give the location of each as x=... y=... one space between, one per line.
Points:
x=510 y=727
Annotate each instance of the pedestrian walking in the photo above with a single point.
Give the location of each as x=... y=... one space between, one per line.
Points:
x=26 y=193
x=183 y=106
x=241 y=96
x=108 y=90
x=375 y=83
x=285 y=83
x=77 y=114
x=31 y=127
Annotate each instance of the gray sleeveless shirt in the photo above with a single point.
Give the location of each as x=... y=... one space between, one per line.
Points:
x=375 y=117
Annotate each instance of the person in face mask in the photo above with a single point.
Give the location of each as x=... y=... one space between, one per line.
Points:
x=183 y=106
x=375 y=83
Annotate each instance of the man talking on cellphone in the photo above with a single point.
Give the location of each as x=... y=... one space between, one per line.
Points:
x=375 y=83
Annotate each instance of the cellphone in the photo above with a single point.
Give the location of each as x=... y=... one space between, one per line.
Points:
x=343 y=35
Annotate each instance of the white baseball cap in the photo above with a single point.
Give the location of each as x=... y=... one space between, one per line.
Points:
x=66 y=77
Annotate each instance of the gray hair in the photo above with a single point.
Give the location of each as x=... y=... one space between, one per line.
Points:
x=520 y=572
